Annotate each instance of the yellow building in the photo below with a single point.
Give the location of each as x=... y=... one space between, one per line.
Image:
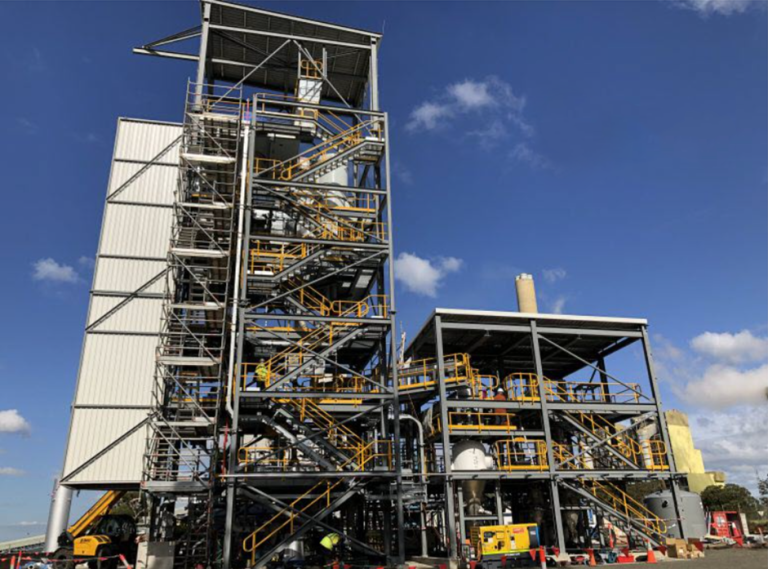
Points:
x=688 y=459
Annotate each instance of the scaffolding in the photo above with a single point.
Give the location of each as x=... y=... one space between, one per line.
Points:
x=275 y=416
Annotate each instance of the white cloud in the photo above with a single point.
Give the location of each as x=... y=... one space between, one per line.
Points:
x=722 y=7
x=427 y=116
x=471 y=94
x=722 y=386
x=733 y=441
x=423 y=276
x=554 y=275
x=9 y=471
x=558 y=305
x=402 y=173
x=87 y=262
x=27 y=125
x=731 y=348
x=522 y=152
x=12 y=422
x=49 y=270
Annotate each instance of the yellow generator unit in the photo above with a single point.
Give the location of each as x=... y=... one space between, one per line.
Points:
x=513 y=542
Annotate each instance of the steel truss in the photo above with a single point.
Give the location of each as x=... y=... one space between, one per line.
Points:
x=558 y=445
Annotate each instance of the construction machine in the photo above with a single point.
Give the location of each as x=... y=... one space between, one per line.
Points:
x=98 y=537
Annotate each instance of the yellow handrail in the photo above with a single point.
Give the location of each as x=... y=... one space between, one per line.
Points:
x=521 y=453
x=361 y=459
x=627 y=505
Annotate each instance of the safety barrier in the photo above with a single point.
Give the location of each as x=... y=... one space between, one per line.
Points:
x=625 y=504
x=521 y=453
x=317 y=495
x=524 y=387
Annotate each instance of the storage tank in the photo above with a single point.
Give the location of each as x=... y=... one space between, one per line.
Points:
x=471 y=455
x=694 y=520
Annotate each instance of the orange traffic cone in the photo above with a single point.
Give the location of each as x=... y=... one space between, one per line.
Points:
x=651 y=555
x=592 y=562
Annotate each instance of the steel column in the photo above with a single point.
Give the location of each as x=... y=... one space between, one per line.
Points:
x=450 y=514
x=548 y=437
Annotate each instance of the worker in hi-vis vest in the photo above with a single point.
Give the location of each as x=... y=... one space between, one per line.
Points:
x=331 y=543
x=261 y=373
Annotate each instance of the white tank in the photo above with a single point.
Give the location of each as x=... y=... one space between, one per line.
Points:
x=471 y=455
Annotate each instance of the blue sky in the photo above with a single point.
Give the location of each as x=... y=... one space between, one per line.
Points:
x=616 y=150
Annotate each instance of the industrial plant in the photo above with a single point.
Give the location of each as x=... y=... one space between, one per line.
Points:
x=241 y=371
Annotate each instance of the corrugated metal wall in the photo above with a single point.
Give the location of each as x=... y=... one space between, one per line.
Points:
x=117 y=363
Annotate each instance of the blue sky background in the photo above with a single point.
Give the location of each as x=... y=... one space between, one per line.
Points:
x=616 y=150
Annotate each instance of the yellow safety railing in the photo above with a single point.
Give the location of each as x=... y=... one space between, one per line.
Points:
x=339 y=434
x=288 y=169
x=564 y=452
x=524 y=387
x=655 y=452
x=482 y=421
x=267 y=372
x=422 y=374
x=626 y=505
x=263 y=456
x=275 y=257
x=521 y=453
x=369 y=452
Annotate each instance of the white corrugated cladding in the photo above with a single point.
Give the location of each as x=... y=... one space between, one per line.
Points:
x=117 y=364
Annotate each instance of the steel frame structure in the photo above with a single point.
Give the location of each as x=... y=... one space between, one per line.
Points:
x=583 y=432
x=276 y=403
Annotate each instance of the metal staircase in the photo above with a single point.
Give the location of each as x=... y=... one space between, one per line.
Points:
x=182 y=445
x=629 y=514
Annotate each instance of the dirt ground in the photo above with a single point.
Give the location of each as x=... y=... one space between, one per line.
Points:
x=719 y=559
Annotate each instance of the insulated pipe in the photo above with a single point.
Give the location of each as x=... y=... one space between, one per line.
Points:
x=58 y=517
x=423 y=476
x=526 y=294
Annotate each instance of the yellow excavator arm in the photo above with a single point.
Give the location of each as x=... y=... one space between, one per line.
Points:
x=89 y=518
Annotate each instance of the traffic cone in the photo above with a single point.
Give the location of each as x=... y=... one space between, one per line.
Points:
x=651 y=555
x=542 y=558
x=592 y=562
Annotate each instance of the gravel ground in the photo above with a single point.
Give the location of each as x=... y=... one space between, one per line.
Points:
x=719 y=559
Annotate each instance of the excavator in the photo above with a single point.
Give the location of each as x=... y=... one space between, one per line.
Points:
x=98 y=534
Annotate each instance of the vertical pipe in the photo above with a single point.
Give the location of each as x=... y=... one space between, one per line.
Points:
x=450 y=513
x=548 y=436
x=202 y=60
x=461 y=508
x=499 y=504
x=673 y=485
x=58 y=516
x=423 y=476
x=374 y=79
x=393 y=350
x=236 y=340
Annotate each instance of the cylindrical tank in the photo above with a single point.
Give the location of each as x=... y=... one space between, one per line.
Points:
x=526 y=294
x=471 y=455
x=693 y=519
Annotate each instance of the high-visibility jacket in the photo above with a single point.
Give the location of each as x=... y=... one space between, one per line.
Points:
x=330 y=541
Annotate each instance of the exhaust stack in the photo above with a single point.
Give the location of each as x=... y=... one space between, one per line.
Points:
x=526 y=293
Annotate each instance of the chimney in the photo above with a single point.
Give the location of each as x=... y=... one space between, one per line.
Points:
x=526 y=293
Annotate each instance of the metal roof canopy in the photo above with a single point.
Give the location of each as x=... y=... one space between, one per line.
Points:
x=242 y=37
x=491 y=337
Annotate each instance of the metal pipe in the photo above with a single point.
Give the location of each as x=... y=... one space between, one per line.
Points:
x=58 y=517
x=423 y=476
